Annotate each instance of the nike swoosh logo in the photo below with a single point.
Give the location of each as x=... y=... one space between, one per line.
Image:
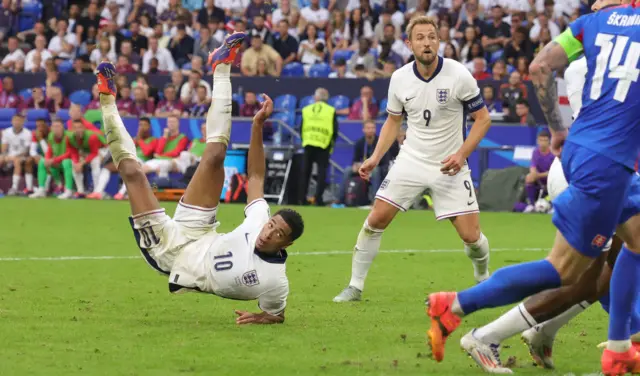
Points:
x=470 y=203
x=408 y=99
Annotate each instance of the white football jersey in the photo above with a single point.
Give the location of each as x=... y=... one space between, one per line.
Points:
x=575 y=77
x=436 y=108
x=229 y=265
x=19 y=143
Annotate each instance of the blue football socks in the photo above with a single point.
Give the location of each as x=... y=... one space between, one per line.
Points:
x=623 y=290
x=509 y=285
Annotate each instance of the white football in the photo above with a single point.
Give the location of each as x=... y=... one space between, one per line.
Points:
x=542 y=206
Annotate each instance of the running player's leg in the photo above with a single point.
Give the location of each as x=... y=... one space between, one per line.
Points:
x=454 y=198
x=396 y=193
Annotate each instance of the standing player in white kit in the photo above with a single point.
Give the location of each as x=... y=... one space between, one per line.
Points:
x=437 y=94
x=245 y=264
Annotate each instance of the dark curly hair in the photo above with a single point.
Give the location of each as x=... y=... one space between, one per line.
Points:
x=294 y=220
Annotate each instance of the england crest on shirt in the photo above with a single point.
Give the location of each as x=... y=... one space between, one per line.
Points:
x=250 y=278
x=442 y=95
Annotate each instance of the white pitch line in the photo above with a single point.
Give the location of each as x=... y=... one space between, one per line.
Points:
x=319 y=253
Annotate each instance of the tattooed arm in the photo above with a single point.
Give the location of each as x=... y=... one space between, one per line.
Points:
x=551 y=59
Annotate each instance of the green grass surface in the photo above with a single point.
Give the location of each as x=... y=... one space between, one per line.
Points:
x=116 y=316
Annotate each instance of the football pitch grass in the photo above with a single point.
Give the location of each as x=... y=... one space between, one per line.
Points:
x=76 y=299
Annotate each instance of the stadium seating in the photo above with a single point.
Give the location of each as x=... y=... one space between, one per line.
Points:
x=25 y=94
x=305 y=101
x=66 y=66
x=29 y=15
x=63 y=115
x=339 y=102
x=7 y=113
x=342 y=54
x=238 y=98
x=293 y=70
x=285 y=103
x=81 y=97
x=320 y=70
x=34 y=114
x=186 y=66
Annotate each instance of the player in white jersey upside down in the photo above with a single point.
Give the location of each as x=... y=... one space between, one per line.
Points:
x=245 y=264
x=436 y=94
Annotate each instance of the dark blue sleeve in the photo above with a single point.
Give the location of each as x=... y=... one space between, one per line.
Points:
x=474 y=104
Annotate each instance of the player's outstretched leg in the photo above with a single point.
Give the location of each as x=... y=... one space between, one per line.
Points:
x=122 y=147
x=366 y=249
x=476 y=245
x=206 y=185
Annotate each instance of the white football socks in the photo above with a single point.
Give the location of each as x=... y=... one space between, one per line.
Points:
x=28 y=181
x=120 y=142
x=478 y=252
x=219 y=115
x=123 y=189
x=552 y=326
x=78 y=178
x=15 y=181
x=515 y=321
x=367 y=247
x=103 y=180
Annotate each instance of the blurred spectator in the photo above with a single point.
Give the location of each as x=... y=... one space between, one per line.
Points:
x=496 y=32
x=336 y=29
x=499 y=71
x=450 y=52
x=126 y=49
x=29 y=36
x=8 y=16
x=123 y=66
x=259 y=27
x=313 y=49
x=14 y=54
x=139 y=9
x=145 y=26
x=56 y=100
x=388 y=67
x=316 y=15
x=469 y=17
x=536 y=179
x=75 y=114
x=385 y=19
x=170 y=105
x=283 y=12
x=543 y=22
x=64 y=44
x=112 y=12
x=142 y=104
x=523 y=114
x=386 y=55
x=159 y=34
x=103 y=52
x=480 y=69
x=95 y=99
x=197 y=63
x=357 y=28
x=201 y=105
x=261 y=70
x=121 y=81
x=181 y=46
x=250 y=107
x=522 y=66
x=37 y=100
x=139 y=42
x=510 y=93
x=341 y=70
x=364 y=108
x=89 y=43
x=177 y=79
x=206 y=44
x=165 y=60
x=367 y=13
x=519 y=46
x=81 y=65
x=285 y=45
x=259 y=51
x=397 y=17
x=41 y=50
x=489 y=96
x=90 y=21
x=545 y=38
x=397 y=46
x=445 y=37
x=217 y=30
x=209 y=11
x=257 y=8
x=470 y=38
x=189 y=91
x=362 y=57
x=172 y=12
x=362 y=150
x=125 y=103
x=154 y=67
x=8 y=97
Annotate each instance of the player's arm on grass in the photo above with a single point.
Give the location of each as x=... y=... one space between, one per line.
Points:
x=272 y=303
x=468 y=93
x=255 y=159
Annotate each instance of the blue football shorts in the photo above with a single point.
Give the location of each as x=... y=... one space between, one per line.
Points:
x=602 y=193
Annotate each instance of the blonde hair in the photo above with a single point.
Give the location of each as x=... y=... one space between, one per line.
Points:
x=420 y=20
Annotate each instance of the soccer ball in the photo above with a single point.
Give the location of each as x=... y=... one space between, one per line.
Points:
x=542 y=206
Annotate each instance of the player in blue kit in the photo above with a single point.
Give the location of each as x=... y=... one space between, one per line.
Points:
x=598 y=159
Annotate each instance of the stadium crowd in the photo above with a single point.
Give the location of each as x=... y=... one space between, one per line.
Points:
x=495 y=39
